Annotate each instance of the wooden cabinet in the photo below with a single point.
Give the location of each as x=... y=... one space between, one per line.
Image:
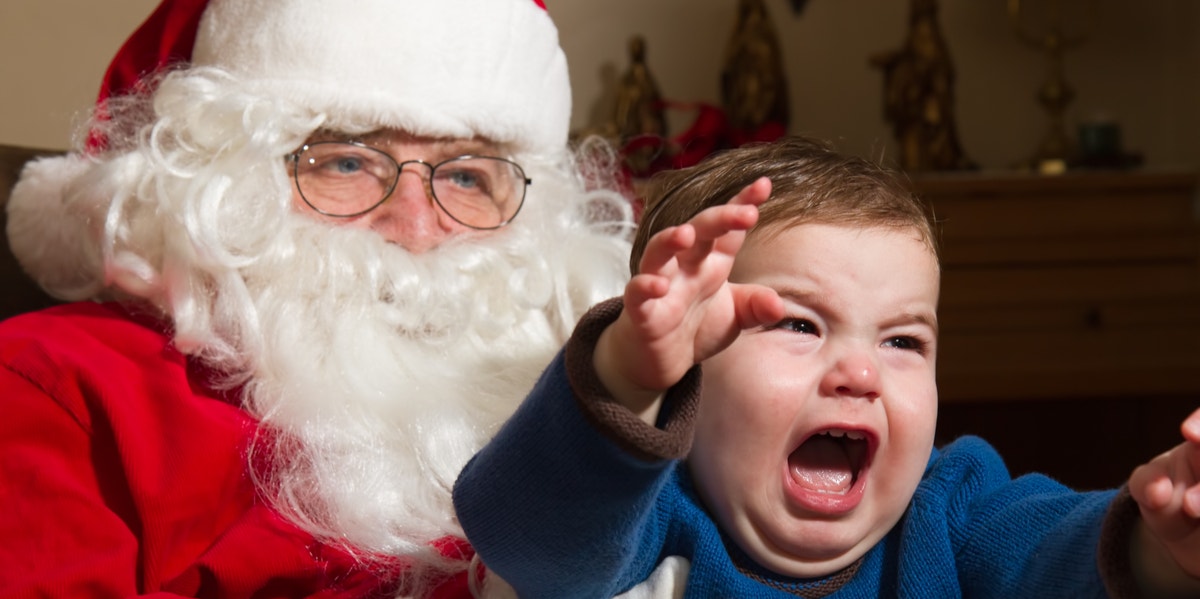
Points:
x=1069 y=315
x=1082 y=285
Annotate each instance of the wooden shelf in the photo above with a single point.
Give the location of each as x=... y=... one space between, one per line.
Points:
x=1070 y=316
x=1079 y=285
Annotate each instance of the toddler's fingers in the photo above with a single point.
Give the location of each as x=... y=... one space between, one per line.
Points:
x=1191 y=427
x=663 y=247
x=712 y=223
x=1191 y=502
x=645 y=287
x=757 y=305
x=1150 y=486
x=1190 y=462
x=755 y=193
x=1188 y=472
x=1159 y=493
x=721 y=228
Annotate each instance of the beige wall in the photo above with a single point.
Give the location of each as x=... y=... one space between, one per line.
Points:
x=1142 y=66
x=53 y=54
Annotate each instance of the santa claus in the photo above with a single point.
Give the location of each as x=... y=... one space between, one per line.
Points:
x=318 y=250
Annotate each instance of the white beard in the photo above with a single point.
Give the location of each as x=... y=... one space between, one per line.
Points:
x=382 y=381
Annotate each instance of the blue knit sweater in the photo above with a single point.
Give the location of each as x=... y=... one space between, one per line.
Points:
x=573 y=499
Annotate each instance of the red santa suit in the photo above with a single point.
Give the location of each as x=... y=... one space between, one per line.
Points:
x=267 y=405
x=125 y=473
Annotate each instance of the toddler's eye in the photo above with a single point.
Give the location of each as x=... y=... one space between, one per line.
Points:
x=796 y=325
x=909 y=343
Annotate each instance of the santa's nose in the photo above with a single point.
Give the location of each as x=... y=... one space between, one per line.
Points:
x=410 y=217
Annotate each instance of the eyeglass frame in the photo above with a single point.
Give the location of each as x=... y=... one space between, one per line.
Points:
x=294 y=158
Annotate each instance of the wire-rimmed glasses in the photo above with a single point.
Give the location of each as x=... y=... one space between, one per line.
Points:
x=346 y=179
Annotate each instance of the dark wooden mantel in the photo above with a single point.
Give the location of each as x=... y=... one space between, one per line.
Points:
x=1070 y=315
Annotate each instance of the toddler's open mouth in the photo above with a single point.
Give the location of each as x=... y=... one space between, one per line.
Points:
x=830 y=461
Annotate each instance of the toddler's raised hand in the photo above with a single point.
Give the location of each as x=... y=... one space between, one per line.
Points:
x=1167 y=490
x=680 y=308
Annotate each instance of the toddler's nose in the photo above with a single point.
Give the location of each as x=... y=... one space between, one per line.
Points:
x=854 y=374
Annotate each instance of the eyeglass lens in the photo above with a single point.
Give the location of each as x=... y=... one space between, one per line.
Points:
x=347 y=179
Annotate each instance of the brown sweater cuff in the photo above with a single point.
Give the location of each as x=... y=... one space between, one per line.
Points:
x=1116 y=537
x=677 y=417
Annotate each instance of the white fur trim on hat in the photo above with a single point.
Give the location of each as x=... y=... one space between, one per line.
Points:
x=41 y=229
x=449 y=68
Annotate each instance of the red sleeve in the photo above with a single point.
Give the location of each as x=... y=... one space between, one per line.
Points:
x=122 y=472
x=60 y=537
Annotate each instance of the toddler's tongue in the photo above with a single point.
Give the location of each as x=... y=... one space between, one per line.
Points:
x=822 y=464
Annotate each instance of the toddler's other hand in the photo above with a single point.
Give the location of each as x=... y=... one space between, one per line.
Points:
x=1167 y=490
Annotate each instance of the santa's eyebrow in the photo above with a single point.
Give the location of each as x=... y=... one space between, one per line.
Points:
x=446 y=148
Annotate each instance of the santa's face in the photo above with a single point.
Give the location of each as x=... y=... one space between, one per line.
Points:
x=391 y=367
x=376 y=184
x=813 y=434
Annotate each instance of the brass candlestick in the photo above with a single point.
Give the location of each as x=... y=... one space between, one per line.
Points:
x=1055 y=151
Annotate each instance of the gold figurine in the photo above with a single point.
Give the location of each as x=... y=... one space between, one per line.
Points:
x=919 y=95
x=638 y=120
x=754 y=90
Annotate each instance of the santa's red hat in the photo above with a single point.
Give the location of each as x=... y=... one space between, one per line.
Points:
x=450 y=68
